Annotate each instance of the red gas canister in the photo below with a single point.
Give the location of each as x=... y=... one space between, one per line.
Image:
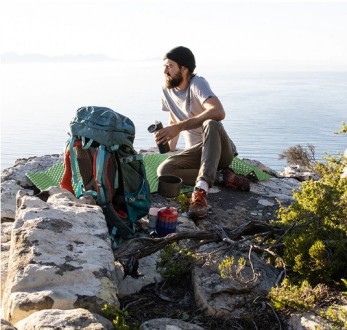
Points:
x=166 y=221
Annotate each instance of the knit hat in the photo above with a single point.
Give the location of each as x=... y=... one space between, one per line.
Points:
x=182 y=56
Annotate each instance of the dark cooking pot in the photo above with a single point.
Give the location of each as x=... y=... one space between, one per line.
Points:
x=169 y=186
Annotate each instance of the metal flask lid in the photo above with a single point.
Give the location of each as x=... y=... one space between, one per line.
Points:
x=152 y=128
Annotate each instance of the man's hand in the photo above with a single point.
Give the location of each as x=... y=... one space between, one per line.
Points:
x=167 y=133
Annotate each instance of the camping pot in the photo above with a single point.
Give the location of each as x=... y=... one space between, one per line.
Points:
x=166 y=221
x=169 y=186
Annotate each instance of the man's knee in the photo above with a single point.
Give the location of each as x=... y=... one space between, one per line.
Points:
x=210 y=124
x=164 y=168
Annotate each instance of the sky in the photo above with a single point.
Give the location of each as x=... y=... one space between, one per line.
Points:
x=217 y=31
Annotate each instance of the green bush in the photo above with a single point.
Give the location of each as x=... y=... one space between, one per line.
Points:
x=118 y=317
x=299 y=155
x=175 y=263
x=316 y=248
x=296 y=297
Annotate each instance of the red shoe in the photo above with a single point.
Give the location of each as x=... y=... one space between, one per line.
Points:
x=235 y=181
x=198 y=205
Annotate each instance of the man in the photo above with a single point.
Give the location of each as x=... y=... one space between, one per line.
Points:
x=195 y=111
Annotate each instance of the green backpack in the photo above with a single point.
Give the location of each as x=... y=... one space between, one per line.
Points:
x=100 y=161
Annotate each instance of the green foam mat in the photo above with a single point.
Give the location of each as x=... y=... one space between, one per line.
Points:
x=53 y=176
x=239 y=166
x=48 y=178
x=152 y=162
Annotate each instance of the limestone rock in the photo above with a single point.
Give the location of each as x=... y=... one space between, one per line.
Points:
x=230 y=296
x=64 y=319
x=281 y=189
x=6 y=229
x=9 y=190
x=14 y=179
x=5 y=325
x=25 y=165
x=169 y=324
x=308 y=321
x=60 y=257
x=147 y=267
x=299 y=173
x=261 y=166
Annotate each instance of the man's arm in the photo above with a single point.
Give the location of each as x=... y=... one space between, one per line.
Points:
x=213 y=110
x=173 y=142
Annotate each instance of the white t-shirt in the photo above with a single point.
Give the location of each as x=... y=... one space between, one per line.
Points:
x=187 y=103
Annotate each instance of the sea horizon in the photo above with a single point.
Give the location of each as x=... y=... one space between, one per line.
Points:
x=266 y=111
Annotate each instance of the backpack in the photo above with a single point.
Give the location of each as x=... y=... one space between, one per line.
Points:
x=100 y=161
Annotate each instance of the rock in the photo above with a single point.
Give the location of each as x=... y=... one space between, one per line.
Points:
x=308 y=321
x=147 y=267
x=14 y=179
x=60 y=257
x=5 y=325
x=25 y=165
x=64 y=319
x=6 y=229
x=299 y=173
x=168 y=324
x=9 y=190
x=261 y=166
x=231 y=296
x=265 y=202
x=281 y=189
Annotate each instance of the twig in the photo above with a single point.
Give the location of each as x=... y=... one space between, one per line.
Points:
x=273 y=310
x=279 y=278
x=136 y=302
x=255 y=275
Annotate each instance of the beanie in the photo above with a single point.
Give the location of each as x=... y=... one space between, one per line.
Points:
x=182 y=56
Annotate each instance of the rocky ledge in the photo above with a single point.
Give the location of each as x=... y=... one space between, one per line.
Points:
x=58 y=269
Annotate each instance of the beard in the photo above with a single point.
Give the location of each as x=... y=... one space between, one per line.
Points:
x=172 y=82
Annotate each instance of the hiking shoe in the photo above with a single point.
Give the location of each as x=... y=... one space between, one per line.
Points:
x=198 y=205
x=235 y=181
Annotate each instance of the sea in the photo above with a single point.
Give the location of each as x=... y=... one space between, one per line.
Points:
x=267 y=111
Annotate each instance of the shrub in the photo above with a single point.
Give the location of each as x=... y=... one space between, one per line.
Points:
x=231 y=269
x=175 y=263
x=296 y=298
x=118 y=317
x=315 y=248
x=184 y=201
x=299 y=155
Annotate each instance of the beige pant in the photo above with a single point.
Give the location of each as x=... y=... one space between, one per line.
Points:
x=201 y=161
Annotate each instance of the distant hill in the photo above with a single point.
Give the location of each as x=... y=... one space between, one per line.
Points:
x=14 y=58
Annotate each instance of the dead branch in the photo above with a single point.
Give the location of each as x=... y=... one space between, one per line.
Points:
x=130 y=252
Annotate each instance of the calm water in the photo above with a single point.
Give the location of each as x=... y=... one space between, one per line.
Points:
x=266 y=112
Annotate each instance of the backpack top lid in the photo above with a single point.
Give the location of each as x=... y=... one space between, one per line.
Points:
x=103 y=125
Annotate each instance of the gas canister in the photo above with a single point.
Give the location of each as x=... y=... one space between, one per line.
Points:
x=166 y=221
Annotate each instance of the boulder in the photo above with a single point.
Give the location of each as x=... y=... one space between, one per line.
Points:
x=6 y=229
x=14 y=179
x=9 y=191
x=169 y=324
x=25 y=165
x=5 y=325
x=60 y=257
x=64 y=319
x=147 y=267
x=230 y=296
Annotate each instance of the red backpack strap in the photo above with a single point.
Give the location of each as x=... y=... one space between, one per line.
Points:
x=67 y=176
